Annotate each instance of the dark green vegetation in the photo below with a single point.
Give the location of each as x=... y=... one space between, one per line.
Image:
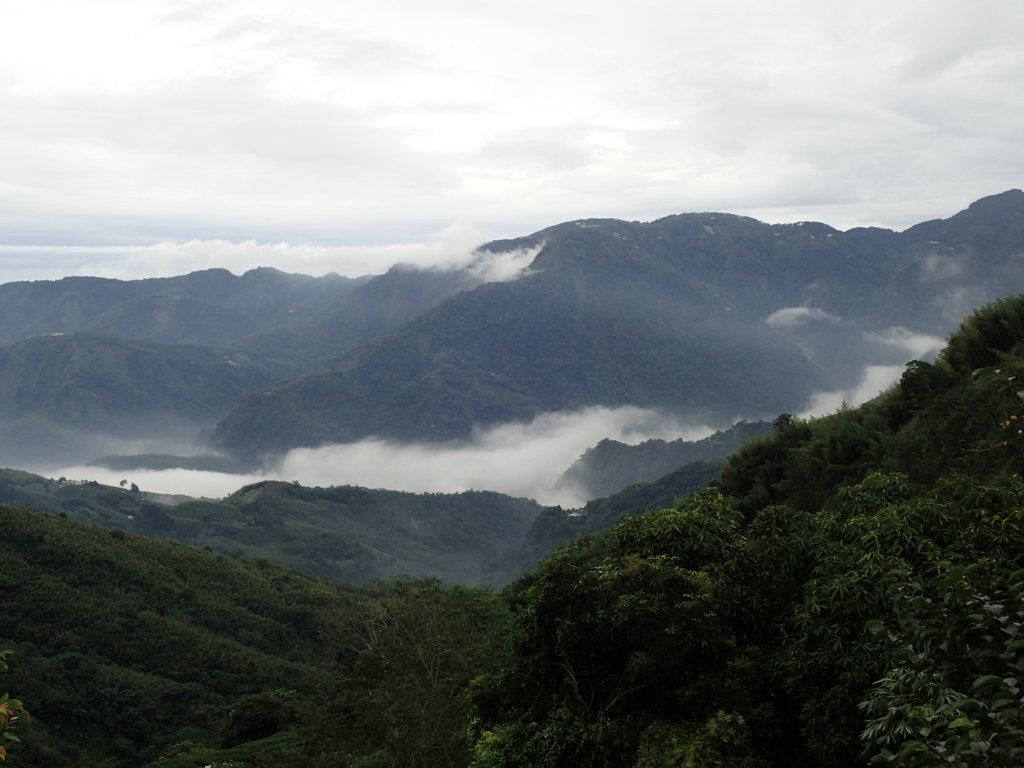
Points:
x=850 y=592
x=12 y=713
x=702 y=314
x=130 y=650
x=344 y=534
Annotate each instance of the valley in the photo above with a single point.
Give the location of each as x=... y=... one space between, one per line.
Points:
x=627 y=536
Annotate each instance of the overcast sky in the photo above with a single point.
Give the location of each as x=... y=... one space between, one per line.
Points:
x=153 y=137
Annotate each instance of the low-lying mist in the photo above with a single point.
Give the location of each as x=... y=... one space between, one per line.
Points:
x=902 y=344
x=523 y=460
x=520 y=459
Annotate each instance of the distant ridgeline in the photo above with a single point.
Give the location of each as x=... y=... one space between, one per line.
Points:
x=343 y=534
x=706 y=315
x=850 y=591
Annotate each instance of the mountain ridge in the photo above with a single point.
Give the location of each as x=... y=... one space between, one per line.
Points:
x=684 y=299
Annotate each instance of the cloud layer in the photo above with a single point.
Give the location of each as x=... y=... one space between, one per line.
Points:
x=523 y=460
x=250 y=124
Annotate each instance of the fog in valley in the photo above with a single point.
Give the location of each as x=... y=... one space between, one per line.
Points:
x=517 y=459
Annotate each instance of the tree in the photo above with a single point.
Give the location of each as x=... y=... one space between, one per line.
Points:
x=618 y=634
x=954 y=696
x=407 y=701
x=11 y=713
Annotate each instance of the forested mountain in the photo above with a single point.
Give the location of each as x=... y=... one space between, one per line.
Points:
x=378 y=306
x=131 y=652
x=705 y=314
x=850 y=592
x=343 y=534
x=64 y=396
x=211 y=307
x=93 y=360
x=708 y=314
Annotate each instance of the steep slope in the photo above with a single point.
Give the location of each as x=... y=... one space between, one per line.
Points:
x=850 y=594
x=380 y=305
x=125 y=645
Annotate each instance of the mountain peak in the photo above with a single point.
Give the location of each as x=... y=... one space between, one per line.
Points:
x=995 y=209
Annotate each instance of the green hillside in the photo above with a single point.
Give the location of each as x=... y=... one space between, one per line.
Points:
x=611 y=465
x=344 y=534
x=130 y=651
x=851 y=593
x=126 y=645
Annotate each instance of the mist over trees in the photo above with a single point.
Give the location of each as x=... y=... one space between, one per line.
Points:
x=708 y=316
x=847 y=591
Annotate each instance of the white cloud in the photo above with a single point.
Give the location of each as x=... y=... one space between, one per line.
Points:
x=788 y=317
x=345 y=124
x=523 y=460
x=518 y=459
x=875 y=380
x=920 y=345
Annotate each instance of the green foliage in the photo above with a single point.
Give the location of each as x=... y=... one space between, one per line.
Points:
x=987 y=336
x=614 y=634
x=724 y=741
x=887 y=627
x=956 y=697
x=150 y=638
x=407 y=702
x=12 y=711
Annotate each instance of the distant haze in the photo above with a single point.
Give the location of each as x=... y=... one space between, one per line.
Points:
x=517 y=459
